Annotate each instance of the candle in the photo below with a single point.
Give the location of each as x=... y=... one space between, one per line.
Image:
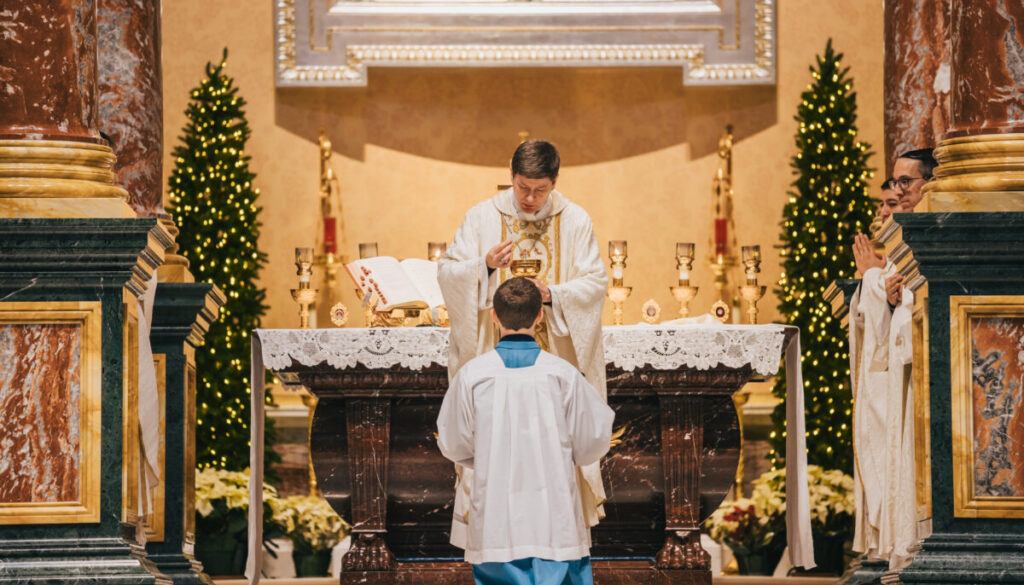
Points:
x=617 y=248
x=684 y=275
x=721 y=233
x=368 y=250
x=617 y=272
x=684 y=250
x=330 y=234
x=435 y=249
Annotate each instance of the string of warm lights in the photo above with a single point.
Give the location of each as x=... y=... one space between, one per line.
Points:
x=214 y=205
x=830 y=203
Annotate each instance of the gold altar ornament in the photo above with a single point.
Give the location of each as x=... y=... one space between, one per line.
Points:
x=435 y=250
x=617 y=292
x=304 y=295
x=331 y=216
x=651 y=312
x=721 y=256
x=368 y=250
x=528 y=268
x=751 y=291
x=339 y=314
x=683 y=292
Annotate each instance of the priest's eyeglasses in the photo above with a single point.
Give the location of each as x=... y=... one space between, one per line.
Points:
x=904 y=183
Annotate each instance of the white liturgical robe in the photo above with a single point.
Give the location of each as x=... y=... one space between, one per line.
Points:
x=523 y=431
x=883 y=419
x=561 y=236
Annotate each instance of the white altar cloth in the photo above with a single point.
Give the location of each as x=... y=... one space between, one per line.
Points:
x=663 y=347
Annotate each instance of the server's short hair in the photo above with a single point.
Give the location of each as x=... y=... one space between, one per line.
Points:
x=536 y=159
x=517 y=303
x=925 y=158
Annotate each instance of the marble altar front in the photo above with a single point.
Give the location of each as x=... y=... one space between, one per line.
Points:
x=377 y=462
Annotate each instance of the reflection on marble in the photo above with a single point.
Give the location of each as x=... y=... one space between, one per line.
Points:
x=131 y=97
x=988 y=70
x=48 y=74
x=917 y=75
x=40 y=391
x=997 y=373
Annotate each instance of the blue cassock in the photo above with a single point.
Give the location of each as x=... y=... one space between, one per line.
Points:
x=520 y=351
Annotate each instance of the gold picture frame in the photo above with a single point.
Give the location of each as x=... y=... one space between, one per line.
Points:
x=985 y=321
x=87 y=316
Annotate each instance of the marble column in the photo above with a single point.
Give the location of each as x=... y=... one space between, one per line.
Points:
x=53 y=160
x=917 y=75
x=981 y=157
x=131 y=97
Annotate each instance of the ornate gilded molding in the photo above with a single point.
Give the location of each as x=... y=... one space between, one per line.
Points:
x=334 y=42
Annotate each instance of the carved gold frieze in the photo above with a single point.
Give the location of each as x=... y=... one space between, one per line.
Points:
x=78 y=423
x=986 y=373
x=609 y=33
x=977 y=173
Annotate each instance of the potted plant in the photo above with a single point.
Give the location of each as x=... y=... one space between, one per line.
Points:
x=222 y=508
x=314 y=529
x=754 y=528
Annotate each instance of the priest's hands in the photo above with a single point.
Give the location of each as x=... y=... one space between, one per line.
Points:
x=500 y=256
x=894 y=289
x=865 y=256
x=545 y=292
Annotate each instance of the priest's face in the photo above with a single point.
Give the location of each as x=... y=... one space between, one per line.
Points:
x=908 y=181
x=532 y=194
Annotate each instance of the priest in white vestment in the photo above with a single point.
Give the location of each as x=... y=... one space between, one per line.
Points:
x=880 y=358
x=531 y=220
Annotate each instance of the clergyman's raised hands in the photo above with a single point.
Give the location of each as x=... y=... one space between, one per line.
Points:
x=865 y=256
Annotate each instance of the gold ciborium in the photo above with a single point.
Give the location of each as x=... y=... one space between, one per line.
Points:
x=527 y=268
x=683 y=292
x=617 y=292
x=304 y=295
x=751 y=291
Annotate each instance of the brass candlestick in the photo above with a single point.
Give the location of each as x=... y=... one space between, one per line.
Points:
x=751 y=291
x=683 y=292
x=435 y=250
x=617 y=293
x=304 y=295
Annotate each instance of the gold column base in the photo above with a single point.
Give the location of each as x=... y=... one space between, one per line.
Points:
x=977 y=173
x=175 y=266
x=57 y=178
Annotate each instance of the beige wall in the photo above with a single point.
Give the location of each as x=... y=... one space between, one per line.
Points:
x=416 y=148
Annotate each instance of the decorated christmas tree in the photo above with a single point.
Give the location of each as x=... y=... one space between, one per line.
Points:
x=830 y=203
x=214 y=205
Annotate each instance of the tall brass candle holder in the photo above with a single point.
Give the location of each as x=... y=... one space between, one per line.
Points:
x=304 y=295
x=751 y=291
x=683 y=292
x=617 y=293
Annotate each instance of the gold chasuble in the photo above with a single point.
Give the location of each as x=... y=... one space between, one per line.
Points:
x=561 y=236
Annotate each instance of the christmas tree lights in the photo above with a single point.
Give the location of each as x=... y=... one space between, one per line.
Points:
x=830 y=203
x=214 y=205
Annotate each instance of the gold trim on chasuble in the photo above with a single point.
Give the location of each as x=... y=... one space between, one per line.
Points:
x=542 y=233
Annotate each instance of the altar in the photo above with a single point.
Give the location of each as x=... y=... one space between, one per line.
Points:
x=375 y=455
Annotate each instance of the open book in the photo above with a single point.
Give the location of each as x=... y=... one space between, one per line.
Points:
x=409 y=284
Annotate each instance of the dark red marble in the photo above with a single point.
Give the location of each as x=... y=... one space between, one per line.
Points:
x=377 y=463
x=131 y=97
x=48 y=70
x=917 y=75
x=40 y=398
x=988 y=70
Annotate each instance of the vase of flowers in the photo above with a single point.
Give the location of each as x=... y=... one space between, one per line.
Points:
x=832 y=511
x=314 y=529
x=222 y=508
x=754 y=528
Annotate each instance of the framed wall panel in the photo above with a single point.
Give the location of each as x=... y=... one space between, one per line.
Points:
x=987 y=381
x=50 y=394
x=334 y=42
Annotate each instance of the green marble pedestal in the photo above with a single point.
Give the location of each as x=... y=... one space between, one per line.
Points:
x=962 y=254
x=68 y=380
x=182 y=313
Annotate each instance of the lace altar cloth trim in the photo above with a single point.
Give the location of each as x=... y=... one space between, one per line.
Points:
x=664 y=347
